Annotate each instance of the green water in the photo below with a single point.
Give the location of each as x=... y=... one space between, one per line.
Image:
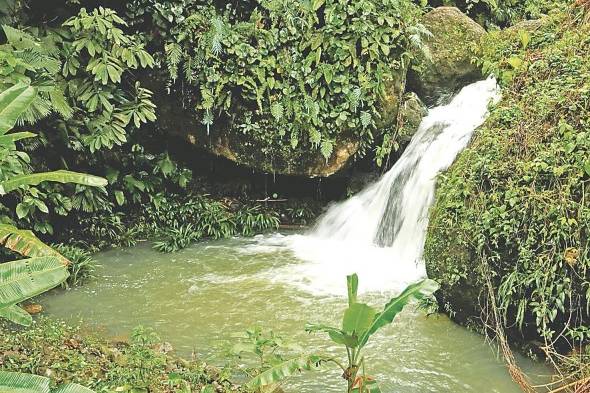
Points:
x=199 y=298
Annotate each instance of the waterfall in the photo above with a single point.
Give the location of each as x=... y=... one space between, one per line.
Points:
x=379 y=233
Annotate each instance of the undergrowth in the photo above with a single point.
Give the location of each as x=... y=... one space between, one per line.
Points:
x=516 y=198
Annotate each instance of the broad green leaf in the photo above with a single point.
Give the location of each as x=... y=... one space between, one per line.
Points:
x=26 y=243
x=417 y=291
x=23 y=383
x=336 y=335
x=515 y=62
x=352 y=283
x=60 y=176
x=13 y=102
x=120 y=197
x=525 y=38
x=28 y=383
x=21 y=280
x=358 y=318
x=9 y=139
x=284 y=370
x=17 y=315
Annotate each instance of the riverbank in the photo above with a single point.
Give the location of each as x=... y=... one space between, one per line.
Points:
x=74 y=353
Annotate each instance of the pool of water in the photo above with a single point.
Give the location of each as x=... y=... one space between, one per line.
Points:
x=199 y=298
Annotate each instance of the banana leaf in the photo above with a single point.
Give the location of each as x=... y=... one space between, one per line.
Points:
x=60 y=176
x=26 y=243
x=25 y=278
x=417 y=291
x=13 y=102
x=17 y=315
x=28 y=383
x=284 y=370
x=9 y=139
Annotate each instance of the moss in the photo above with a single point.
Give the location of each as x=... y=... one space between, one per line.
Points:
x=450 y=46
x=516 y=198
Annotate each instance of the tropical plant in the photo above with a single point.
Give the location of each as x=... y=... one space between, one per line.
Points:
x=504 y=13
x=310 y=71
x=46 y=268
x=360 y=321
x=29 y=383
x=511 y=215
x=81 y=264
x=177 y=238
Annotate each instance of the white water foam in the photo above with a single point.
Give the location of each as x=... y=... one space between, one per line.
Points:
x=380 y=232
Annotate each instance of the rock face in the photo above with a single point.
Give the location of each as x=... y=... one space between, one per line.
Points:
x=242 y=149
x=449 y=67
x=246 y=151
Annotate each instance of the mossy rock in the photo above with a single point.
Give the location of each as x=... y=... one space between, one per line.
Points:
x=449 y=67
x=178 y=120
x=512 y=211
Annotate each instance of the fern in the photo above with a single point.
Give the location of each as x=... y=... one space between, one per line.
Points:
x=173 y=53
x=326 y=149
x=277 y=111
x=366 y=119
x=314 y=136
x=59 y=102
x=218 y=32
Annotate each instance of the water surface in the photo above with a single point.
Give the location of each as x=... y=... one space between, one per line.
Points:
x=197 y=299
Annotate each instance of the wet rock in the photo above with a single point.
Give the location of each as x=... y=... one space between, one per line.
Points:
x=33 y=308
x=164 y=347
x=449 y=67
x=412 y=112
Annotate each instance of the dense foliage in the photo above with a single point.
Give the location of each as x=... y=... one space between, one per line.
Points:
x=515 y=201
x=292 y=74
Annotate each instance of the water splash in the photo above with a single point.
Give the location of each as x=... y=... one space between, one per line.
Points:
x=380 y=232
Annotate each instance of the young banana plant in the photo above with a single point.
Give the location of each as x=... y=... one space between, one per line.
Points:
x=360 y=321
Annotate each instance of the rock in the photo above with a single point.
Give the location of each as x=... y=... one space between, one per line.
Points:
x=33 y=308
x=449 y=67
x=359 y=181
x=412 y=111
x=246 y=151
x=531 y=25
x=180 y=121
x=164 y=347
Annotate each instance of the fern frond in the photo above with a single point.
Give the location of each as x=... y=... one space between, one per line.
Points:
x=173 y=53
x=59 y=103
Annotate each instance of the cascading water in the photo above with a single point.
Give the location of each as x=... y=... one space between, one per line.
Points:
x=380 y=232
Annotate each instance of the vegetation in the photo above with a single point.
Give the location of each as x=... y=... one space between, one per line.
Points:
x=286 y=78
x=46 y=268
x=511 y=215
x=359 y=323
x=315 y=70
x=72 y=355
x=28 y=383
x=504 y=13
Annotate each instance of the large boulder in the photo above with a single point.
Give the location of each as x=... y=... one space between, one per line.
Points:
x=180 y=121
x=449 y=65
